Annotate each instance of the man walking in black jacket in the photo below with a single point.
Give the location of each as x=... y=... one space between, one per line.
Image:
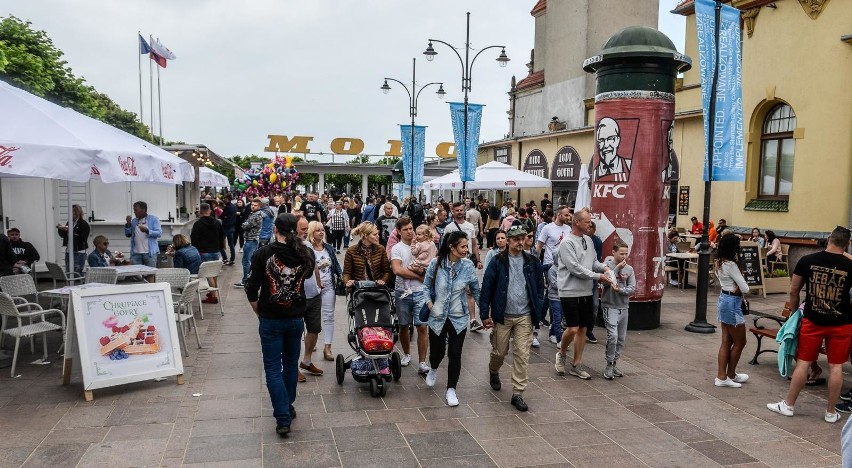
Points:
x=208 y=237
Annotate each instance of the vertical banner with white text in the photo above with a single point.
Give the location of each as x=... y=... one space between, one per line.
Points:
x=413 y=169
x=728 y=140
x=466 y=151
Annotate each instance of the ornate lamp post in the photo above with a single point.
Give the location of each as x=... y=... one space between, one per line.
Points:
x=413 y=96
x=467 y=67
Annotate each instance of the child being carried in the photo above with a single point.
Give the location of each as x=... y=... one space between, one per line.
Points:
x=422 y=252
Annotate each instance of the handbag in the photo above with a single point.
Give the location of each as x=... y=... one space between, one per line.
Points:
x=339 y=288
x=744 y=306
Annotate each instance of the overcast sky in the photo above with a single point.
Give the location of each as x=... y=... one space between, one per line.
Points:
x=296 y=67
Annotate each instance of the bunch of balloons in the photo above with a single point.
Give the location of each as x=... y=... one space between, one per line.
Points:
x=279 y=176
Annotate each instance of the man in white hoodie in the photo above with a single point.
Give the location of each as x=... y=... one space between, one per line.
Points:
x=578 y=268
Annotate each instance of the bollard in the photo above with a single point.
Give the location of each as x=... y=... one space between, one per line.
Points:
x=630 y=173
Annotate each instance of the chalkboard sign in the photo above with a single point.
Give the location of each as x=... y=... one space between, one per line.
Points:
x=751 y=264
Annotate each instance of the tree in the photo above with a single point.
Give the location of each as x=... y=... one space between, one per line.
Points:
x=29 y=60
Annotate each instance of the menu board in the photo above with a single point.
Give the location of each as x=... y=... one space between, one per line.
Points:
x=126 y=334
x=750 y=263
x=683 y=200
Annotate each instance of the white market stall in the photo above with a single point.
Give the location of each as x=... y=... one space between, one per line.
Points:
x=42 y=144
x=209 y=178
x=490 y=176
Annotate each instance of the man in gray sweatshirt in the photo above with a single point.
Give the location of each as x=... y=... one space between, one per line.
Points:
x=578 y=268
x=616 y=301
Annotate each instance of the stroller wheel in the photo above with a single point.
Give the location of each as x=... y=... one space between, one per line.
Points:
x=339 y=369
x=374 y=387
x=383 y=388
x=396 y=366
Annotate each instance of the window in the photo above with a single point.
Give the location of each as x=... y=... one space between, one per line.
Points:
x=776 y=153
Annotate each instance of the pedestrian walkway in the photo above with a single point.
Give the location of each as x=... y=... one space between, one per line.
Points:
x=664 y=412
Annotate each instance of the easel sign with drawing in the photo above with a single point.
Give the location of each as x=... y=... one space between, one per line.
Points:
x=124 y=334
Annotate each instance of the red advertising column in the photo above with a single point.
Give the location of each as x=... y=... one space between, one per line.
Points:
x=631 y=169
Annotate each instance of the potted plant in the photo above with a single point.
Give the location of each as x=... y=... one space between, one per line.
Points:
x=777 y=281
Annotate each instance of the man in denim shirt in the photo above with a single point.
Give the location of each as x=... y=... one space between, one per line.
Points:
x=511 y=302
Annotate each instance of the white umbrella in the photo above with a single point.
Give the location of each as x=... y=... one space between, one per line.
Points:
x=209 y=178
x=584 y=191
x=41 y=139
x=490 y=176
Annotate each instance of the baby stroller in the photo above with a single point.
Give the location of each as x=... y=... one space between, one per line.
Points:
x=373 y=331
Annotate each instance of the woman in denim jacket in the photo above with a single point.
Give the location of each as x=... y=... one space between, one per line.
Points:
x=445 y=282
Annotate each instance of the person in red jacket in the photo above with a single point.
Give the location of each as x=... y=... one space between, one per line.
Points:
x=697 y=227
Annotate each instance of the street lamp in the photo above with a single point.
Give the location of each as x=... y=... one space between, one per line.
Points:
x=413 y=96
x=467 y=67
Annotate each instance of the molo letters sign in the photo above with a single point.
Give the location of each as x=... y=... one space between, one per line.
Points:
x=350 y=146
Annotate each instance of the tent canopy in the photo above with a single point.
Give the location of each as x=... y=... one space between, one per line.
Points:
x=491 y=176
x=209 y=178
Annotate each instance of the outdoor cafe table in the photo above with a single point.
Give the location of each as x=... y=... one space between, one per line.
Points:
x=126 y=271
x=682 y=257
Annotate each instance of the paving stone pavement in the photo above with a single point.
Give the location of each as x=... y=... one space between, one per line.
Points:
x=665 y=412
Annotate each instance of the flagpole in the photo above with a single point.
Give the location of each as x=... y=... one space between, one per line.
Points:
x=139 y=54
x=159 y=105
x=151 y=85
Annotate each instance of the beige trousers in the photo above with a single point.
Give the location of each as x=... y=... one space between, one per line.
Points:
x=519 y=328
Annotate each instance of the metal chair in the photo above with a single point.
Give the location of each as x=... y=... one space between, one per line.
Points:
x=207 y=270
x=58 y=274
x=8 y=309
x=176 y=277
x=19 y=287
x=102 y=275
x=183 y=313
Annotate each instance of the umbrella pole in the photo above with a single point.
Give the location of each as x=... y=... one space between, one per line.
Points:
x=70 y=234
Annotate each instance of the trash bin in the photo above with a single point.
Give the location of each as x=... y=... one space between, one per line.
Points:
x=163 y=260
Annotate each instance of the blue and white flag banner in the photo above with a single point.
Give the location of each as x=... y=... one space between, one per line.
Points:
x=728 y=140
x=466 y=153
x=419 y=153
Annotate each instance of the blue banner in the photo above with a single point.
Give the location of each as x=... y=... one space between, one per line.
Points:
x=419 y=153
x=466 y=153
x=728 y=140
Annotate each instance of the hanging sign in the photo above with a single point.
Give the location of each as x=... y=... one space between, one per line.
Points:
x=683 y=200
x=566 y=165
x=503 y=154
x=536 y=163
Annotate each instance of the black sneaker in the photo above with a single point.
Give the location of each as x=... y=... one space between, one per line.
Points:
x=292 y=413
x=590 y=337
x=844 y=407
x=282 y=430
x=518 y=402
x=846 y=396
x=494 y=380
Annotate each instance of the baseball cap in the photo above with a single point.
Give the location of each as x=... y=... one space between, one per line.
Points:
x=285 y=222
x=516 y=231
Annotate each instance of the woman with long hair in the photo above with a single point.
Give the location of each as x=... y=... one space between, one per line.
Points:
x=243 y=212
x=185 y=255
x=354 y=213
x=508 y=220
x=432 y=222
x=500 y=243
x=757 y=237
x=445 y=283
x=730 y=312
x=367 y=260
x=330 y=271
x=492 y=225
x=773 y=244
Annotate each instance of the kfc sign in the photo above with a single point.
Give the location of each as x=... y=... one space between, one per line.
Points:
x=6 y=155
x=128 y=166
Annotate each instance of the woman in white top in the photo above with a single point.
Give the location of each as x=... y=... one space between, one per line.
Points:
x=773 y=245
x=730 y=312
x=329 y=272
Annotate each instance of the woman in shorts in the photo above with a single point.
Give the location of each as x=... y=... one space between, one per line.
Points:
x=730 y=312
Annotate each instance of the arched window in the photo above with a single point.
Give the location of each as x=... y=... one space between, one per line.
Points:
x=776 y=152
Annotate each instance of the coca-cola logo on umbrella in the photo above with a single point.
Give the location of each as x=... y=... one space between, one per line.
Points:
x=6 y=155
x=128 y=166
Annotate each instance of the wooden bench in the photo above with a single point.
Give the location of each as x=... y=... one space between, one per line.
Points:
x=760 y=331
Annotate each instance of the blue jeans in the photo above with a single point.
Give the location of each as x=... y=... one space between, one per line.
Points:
x=248 y=252
x=229 y=236
x=281 y=342
x=210 y=256
x=79 y=261
x=408 y=308
x=144 y=259
x=556 y=318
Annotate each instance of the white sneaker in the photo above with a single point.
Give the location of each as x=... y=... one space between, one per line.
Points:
x=553 y=339
x=452 y=399
x=423 y=369
x=829 y=417
x=431 y=377
x=406 y=360
x=741 y=378
x=560 y=363
x=781 y=408
x=727 y=383
x=535 y=343
x=674 y=283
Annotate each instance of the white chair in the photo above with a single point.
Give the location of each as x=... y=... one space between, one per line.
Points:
x=177 y=278
x=8 y=309
x=207 y=270
x=101 y=275
x=183 y=313
x=58 y=274
x=19 y=287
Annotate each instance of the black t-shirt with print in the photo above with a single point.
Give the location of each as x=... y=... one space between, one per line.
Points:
x=827 y=283
x=312 y=211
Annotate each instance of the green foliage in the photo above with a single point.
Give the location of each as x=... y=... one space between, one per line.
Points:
x=780 y=273
x=29 y=60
